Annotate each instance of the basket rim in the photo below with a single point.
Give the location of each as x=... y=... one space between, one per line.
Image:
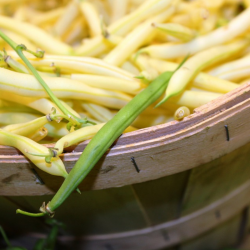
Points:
x=158 y=151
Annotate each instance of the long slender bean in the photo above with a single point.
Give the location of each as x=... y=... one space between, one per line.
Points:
x=198 y=62
x=70 y=13
x=136 y=38
x=224 y=34
x=110 y=83
x=87 y=65
x=104 y=139
x=26 y=145
x=36 y=35
x=92 y=17
x=27 y=85
x=202 y=80
x=122 y=26
x=28 y=128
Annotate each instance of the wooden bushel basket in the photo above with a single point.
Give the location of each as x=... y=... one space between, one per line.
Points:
x=181 y=185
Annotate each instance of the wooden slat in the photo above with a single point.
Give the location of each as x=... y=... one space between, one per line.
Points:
x=161 y=199
x=167 y=234
x=222 y=237
x=213 y=180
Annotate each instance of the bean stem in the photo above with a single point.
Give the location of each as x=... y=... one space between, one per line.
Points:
x=19 y=211
x=107 y=135
x=19 y=50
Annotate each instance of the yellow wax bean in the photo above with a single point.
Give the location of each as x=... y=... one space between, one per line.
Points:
x=122 y=26
x=130 y=67
x=20 y=39
x=16 y=65
x=213 y=4
x=177 y=30
x=27 y=85
x=114 y=40
x=144 y=121
x=93 y=46
x=7 y=118
x=102 y=114
x=82 y=65
x=77 y=136
x=181 y=112
x=245 y=81
x=118 y=9
x=8 y=106
x=69 y=107
x=196 y=63
x=102 y=9
x=235 y=27
x=110 y=83
x=202 y=80
x=47 y=17
x=26 y=146
x=247 y=3
x=77 y=31
x=235 y=75
x=56 y=130
x=36 y=35
x=4 y=2
x=144 y=64
x=28 y=128
x=231 y=66
x=209 y=24
x=92 y=17
x=42 y=105
x=65 y=20
x=194 y=99
x=187 y=7
x=147 y=9
x=196 y=18
x=212 y=83
x=183 y=19
x=149 y=75
x=39 y=134
x=136 y=38
x=25 y=13
x=98 y=112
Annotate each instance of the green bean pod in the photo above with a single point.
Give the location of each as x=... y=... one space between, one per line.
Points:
x=105 y=137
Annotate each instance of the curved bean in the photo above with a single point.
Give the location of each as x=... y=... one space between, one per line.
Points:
x=198 y=62
x=181 y=112
x=121 y=27
x=26 y=145
x=136 y=38
x=105 y=137
x=202 y=80
x=27 y=85
x=36 y=35
x=27 y=129
x=77 y=136
x=236 y=27
x=86 y=65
